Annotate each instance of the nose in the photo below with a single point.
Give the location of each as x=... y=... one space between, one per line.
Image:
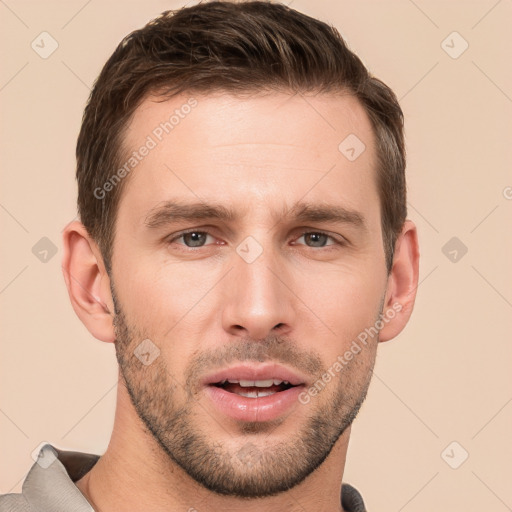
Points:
x=258 y=300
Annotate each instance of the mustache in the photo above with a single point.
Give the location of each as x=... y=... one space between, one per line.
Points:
x=273 y=348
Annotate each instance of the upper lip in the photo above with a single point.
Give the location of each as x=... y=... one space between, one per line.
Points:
x=253 y=372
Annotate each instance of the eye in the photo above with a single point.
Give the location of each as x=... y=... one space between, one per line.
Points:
x=195 y=239
x=317 y=239
x=192 y=238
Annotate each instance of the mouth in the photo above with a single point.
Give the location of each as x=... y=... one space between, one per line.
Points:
x=254 y=388
x=255 y=380
x=254 y=392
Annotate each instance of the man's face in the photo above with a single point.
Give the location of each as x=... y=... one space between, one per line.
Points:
x=273 y=292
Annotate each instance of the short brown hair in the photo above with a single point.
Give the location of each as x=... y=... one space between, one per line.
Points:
x=238 y=48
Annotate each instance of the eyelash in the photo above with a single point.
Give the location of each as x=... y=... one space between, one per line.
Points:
x=304 y=232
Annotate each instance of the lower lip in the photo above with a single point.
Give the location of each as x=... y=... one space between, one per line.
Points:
x=263 y=408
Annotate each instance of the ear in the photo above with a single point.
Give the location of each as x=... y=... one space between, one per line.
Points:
x=402 y=283
x=87 y=282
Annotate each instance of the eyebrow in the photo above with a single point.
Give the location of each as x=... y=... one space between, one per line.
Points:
x=173 y=211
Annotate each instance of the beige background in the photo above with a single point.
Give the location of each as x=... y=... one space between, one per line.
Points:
x=445 y=378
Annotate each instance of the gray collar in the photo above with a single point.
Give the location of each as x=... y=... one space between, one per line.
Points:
x=49 y=484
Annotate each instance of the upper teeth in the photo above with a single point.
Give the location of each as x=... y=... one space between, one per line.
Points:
x=256 y=383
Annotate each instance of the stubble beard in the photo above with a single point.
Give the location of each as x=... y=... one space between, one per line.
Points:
x=254 y=465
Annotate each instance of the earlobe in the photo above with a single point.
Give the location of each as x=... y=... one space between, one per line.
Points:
x=87 y=282
x=402 y=283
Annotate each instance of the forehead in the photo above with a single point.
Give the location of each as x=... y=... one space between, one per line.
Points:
x=261 y=150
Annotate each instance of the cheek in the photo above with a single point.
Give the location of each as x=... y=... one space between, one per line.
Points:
x=344 y=304
x=159 y=293
x=167 y=303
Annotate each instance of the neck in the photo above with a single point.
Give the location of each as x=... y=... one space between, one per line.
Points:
x=134 y=465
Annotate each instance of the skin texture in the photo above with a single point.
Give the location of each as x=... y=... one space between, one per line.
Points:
x=301 y=302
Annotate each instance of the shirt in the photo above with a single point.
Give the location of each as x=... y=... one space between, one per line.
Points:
x=49 y=485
